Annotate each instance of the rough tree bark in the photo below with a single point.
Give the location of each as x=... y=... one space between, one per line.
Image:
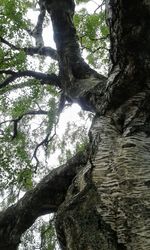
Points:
x=103 y=201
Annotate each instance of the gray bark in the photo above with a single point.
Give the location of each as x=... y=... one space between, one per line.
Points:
x=108 y=205
x=105 y=204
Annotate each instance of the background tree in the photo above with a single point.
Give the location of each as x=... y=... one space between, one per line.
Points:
x=104 y=188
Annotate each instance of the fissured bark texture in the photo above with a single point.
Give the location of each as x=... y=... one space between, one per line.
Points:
x=105 y=204
x=108 y=203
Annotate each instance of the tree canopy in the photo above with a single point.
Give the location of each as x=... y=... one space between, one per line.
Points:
x=33 y=96
x=55 y=54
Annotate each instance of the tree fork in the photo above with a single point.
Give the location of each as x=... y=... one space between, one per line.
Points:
x=43 y=199
x=106 y=203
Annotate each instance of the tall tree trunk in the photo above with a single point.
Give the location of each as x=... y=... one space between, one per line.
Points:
x=102 y=200
x=107 y=206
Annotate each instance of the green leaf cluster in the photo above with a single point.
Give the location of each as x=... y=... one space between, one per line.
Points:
x=13 y=19
x=93 y=36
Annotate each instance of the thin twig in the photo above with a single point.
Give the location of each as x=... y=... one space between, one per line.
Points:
x=47 y=140
x=18 y=119
x=99 y=6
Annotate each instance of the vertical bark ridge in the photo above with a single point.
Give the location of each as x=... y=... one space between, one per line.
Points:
x=121 y=174
x=108 y=204
x=129 y=23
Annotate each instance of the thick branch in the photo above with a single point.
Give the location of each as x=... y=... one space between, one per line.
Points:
x=130 y=46
x=44 y=198
x=51 y=79
x=43 y=51
x=38 y=30
x=78 y=79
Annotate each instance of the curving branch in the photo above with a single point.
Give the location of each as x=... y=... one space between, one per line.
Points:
x=79 y=80
x=45 y=198
x=95 y=50
x=48 y=138
x=38 y=30
x=51 y=79
x=100 y=6
x=17 y=120
x=44 y=142
x=43 y=51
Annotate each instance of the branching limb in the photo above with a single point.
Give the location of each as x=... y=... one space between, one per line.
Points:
x=100 y=6
x=9 y=44
x=95 y=50
x=78 y=78
x=44 y=142
x=43 y=51
x=45 y=198
x=48 y=138
x=37 y=32
x=17 y=120
x=51 y=79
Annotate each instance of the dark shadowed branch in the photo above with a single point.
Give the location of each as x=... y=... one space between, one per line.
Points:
x=79 y=80
x=17 y=120
x=44 y=198
x=99 y=6
x=43 y=51
x=50 y=79
x=30 y=112
x=44 y=142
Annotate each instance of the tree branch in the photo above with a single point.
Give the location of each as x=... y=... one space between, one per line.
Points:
x=17 y=120
x=78 y=79
x=47 y=138
x=44 y=142
x=43 y=51
x=50 y=79
x=100 y=6
x=45 y=198
x=38 y=30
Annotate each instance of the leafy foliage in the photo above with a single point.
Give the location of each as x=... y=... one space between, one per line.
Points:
x=93 y=36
